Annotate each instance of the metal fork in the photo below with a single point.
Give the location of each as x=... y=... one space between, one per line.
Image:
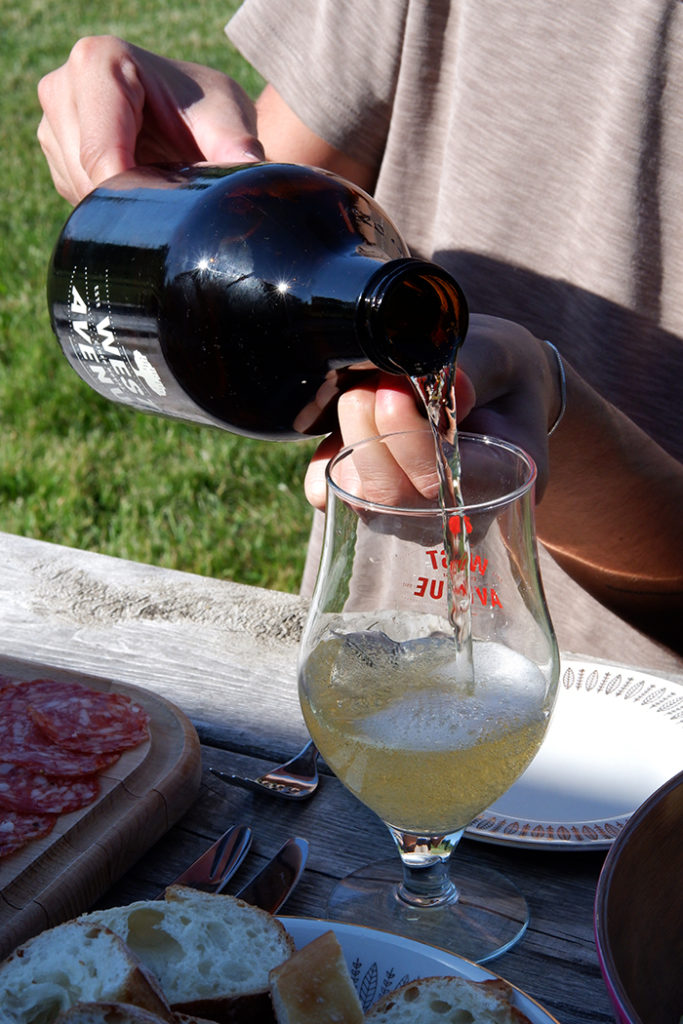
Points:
x=297 y=779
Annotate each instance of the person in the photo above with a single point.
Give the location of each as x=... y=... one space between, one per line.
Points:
x=535 y=152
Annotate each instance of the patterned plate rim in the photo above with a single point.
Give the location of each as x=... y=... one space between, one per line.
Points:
x=653 y=692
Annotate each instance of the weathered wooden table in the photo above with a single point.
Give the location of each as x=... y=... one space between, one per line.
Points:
x=225 y=654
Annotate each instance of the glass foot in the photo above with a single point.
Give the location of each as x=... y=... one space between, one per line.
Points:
x=488 y=917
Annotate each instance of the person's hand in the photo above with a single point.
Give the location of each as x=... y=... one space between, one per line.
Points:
x=113 y=106
x=506 y=386
x=381 y=404
x=517 y=387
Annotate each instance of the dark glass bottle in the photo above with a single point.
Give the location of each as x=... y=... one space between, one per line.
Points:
x=243 y=297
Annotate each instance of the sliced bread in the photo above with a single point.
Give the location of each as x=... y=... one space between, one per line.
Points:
x=74 y=962
x=435 y=1000
x=314 y=986
x=211 y=953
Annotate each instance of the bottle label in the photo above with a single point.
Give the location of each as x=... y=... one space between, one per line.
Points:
x=117 y=370
x=117 y=351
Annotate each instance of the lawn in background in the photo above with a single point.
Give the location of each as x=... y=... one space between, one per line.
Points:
x=74 y=468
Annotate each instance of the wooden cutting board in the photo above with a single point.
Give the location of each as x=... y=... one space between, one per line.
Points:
x=148 y=789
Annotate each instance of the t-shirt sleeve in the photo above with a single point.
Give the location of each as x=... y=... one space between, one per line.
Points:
x=334 y=63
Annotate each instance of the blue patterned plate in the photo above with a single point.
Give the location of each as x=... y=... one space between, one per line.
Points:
x=379 y=962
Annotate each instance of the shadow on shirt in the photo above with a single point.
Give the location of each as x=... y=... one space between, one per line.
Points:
x=623 y=353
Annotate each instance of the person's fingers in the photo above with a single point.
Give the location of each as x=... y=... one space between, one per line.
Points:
x=515 y=390
x=399 y=472
x=396 y=406
x=59 y=139
x=113 y=106
x=411 y=469
x=225 y=125
x=315 y=483
x=195 y=112
x=465 y=394
x=356 y=410
x=92 y=114
x=57 y=165
x=356 y=417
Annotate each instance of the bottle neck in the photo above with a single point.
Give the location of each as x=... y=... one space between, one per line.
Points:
x=412 y=317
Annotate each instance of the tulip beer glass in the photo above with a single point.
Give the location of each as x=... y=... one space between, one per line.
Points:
x=428 y=672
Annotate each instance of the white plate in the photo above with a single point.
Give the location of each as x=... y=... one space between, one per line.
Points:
x=616 y=735
x=379 y=962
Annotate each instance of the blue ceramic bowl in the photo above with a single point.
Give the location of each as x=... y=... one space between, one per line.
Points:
x=639 y=912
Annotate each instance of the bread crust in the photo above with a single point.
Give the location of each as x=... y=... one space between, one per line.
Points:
x=432 y=1000
x=226 y=946
x=314 y=986
x=35 y=976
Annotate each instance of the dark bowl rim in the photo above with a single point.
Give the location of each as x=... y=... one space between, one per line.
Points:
x=609 y=970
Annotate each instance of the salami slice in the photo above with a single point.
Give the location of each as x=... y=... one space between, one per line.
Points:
x=16 y=829
x=90 y=722
x=22 y=789
x=23 y=689
x=22 y=742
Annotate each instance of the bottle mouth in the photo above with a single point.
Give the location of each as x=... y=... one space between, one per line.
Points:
x=415 y=316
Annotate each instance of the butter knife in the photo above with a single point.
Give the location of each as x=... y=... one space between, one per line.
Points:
x=213 y=870
x=275 y=882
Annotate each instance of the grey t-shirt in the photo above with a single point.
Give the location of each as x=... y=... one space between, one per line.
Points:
x=536 y=151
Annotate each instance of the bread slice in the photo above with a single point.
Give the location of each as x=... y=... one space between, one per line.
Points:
x=314 y=986
x=435 y=1000
x=74 y=962
x=211 y=953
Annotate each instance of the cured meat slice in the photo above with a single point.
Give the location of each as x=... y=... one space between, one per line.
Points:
x=22 y=742
x=22 y=789
x=22 y=689
x=54 y=739
x=16 y=829
x=90 y=722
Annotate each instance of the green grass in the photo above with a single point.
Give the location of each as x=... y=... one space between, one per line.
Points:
x=74 y=468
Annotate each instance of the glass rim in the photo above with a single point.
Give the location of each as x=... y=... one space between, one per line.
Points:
x=485 y=440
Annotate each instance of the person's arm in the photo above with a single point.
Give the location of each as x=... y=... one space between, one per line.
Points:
x=112 y=106
x=611 y=515
x=286 y=138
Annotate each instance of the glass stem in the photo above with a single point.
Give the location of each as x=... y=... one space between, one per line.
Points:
x=425 y=860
